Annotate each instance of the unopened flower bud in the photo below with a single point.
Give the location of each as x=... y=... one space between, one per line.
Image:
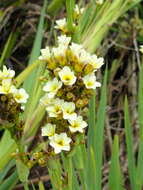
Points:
x=30 y=163
x=51 y=65
x=3 y=98
x=56 y=71
x=85 y=101
x=42 y=162
x=88 y=69
x=70 y=95
x=78 y=67
x=62 y=61
x=60 y=93
x=37 y=155
x=79 y=103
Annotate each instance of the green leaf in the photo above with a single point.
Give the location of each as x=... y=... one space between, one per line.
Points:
x=9 y=46
x=54 y=6
x=68 y=168
x=7 y=147
x=4 y=172
x=115 y=178
x=55 y=173
x=91 y=120
x=29 y=82
x=70 y=4
x=23 y=171
x=129 y=143
x=10 y=182
x=97 y=135
x=41 y=185
x=140 y=117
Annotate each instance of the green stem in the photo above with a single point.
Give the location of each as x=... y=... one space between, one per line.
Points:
x=54 y=6
x=22 y=76
x=25 y=186
x=30 y=127
x=70 y=7
x=55 y=172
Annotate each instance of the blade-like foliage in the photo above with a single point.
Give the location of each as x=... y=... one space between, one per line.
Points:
x=30 y=81
x=140 y=118
x=115 y=179
x=7 y=147
x=10 y=182
x=129 y=143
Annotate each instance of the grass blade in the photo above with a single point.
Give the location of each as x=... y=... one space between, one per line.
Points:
x=29 y=82
x=10 y=182
x=4 y=172
x=95 y=134
x=70 y=7
x=7 y=146
x=9 y=46
x=99 y=131
x=129 y=143
x=140 y=117
x=115 y=179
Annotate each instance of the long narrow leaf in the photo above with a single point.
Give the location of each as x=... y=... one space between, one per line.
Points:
x=29 y=82
x=129 y=142
x=140 y=117
x=115 y=179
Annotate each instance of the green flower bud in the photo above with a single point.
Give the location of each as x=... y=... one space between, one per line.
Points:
x=70 y=95
x=88 y=69
x=42 y=162
x=3 y=98
x=30 y=163
x=78 y=67
x=79 y=103
x=52 y=64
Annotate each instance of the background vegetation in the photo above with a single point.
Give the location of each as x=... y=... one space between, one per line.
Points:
x=112 y=157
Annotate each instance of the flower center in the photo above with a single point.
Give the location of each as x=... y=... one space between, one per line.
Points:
x=61 y=142
x=54 y=87
x=67 y=78
x=75 y=125
x=89 y=83
x=18 y=96
x=57 y=109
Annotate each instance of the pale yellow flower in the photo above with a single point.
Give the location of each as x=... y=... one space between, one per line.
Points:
x=95 y=61
x=45 y=100
x=6 y=73
x=67 y=76
x=55 y=109
x=68 y=109
x=52 y=87
x=76 y=49
x=45 y=54
x=59 y=51
x=64 y=40
x=7 y=87
x=84 y=56
x=20 y=95
x=61 y=24
x=78 y=10
x=77 y=124
x=48 y=130
x=90 y=81
x=60 y=142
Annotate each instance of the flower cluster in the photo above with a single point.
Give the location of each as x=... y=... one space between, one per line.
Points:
x=11 y=98
x=71 y=84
